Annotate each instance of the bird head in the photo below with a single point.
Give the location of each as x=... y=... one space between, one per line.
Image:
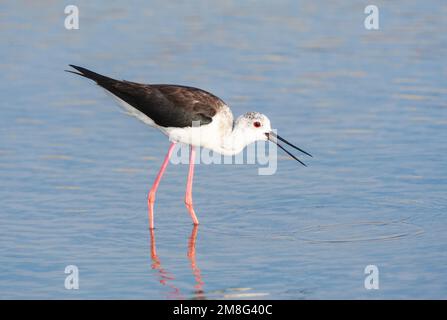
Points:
x=256 y=127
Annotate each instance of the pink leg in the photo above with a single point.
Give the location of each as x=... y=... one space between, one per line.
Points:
x=188 y=195
x=151 y=195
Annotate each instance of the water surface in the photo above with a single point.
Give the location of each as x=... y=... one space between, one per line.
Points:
x=369 y=105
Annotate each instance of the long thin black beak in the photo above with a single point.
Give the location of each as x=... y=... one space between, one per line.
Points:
x=274 y=138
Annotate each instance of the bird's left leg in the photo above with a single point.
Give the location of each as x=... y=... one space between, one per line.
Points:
x=188 y=194
x=151 y=195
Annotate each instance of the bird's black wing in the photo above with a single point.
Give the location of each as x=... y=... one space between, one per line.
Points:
x=167 y=105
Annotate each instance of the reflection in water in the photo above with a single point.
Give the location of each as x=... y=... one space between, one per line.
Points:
x=166 y=278
x=198 y=292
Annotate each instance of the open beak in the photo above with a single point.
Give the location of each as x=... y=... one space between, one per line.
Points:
x=274 y=138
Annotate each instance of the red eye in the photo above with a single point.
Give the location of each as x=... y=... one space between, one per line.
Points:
x=257 y=124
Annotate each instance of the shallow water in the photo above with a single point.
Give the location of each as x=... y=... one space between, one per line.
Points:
x=369 y=105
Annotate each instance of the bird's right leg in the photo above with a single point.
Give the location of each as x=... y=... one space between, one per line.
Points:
x=151 y=195
x=188 y=194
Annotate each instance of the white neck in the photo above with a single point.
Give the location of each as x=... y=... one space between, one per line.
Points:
x=235 y=141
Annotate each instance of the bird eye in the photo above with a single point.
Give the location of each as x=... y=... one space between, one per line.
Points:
x=256 y=124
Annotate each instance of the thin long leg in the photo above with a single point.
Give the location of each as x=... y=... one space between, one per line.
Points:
x=188 y=194
x=151 y=195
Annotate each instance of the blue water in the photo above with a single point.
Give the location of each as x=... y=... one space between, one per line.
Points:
x=369 y=105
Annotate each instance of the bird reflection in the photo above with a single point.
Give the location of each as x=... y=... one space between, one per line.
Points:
x=166 y=278
x=198 y=292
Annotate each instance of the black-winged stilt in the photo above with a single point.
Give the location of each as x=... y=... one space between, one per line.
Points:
x=183 y=112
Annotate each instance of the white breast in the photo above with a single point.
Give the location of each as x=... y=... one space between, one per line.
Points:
x=209 y=136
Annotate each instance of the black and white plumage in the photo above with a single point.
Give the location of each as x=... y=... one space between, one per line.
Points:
x=187 y=115
x=167 y=105
x=174 y=109
x=183 y=112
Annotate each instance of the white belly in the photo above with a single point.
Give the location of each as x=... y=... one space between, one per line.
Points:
x=208 y=136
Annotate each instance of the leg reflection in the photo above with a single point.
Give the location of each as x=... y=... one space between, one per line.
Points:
x=198 y=287
x=165 y=277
